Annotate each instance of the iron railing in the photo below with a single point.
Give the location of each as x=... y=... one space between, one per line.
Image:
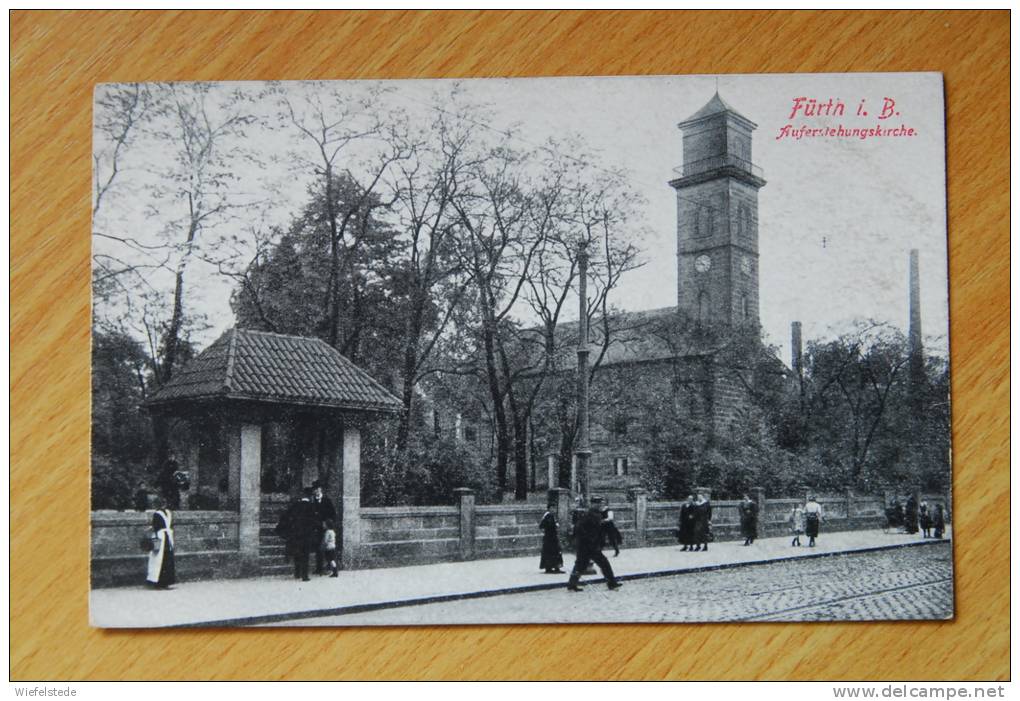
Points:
x=706 y=164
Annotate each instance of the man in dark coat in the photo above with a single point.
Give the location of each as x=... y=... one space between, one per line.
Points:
x=299 y=526
x=685 y=525
x=588 y=537
x=325 y=511
x=748 y=519
x=702 y=523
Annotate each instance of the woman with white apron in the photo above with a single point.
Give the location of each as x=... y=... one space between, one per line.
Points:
x=161 y=572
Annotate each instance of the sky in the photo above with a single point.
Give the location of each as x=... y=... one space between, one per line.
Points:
x=837 y=217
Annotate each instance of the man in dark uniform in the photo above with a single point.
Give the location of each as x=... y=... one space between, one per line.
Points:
x=299 y=526
x=588 y=537
x=325 y=511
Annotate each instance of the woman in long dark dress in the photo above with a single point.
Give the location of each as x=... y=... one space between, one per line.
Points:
x=812 y=519
x=702 y=523
x=552 y=556
x=161 y=573
x=748 y=520
x=910 y=515
x=685 y=524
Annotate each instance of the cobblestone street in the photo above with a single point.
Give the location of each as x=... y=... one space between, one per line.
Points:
x=899 y=584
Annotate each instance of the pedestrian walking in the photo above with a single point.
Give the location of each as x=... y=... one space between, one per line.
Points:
x=552 y=556
x=161 y=572
x=685 y=524
x=588 y=540
x=812 y=519
x=910 y=515
x=924 y=519
x=610 y=533
x=329 y=540
x=796 y=521
x=299 y=526
x=701 y=533
x=748 y=519
x=939 y=520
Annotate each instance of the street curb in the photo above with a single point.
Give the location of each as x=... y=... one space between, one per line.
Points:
x=269 y=618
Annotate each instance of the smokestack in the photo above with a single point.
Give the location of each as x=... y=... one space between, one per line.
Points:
x=796 y=349
x=914 y=331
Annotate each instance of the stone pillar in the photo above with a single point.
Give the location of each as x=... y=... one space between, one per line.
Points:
x=250 y=496
x=233 y=439
x=351 y=498
x=466 y=503
x=573 y=473
x=559 y=504
x=639 y=496
x=849 y=503
x=552 y=472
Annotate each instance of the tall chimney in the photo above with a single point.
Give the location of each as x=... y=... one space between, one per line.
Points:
x=914 y=345
x=914 y=333
x=796 y=349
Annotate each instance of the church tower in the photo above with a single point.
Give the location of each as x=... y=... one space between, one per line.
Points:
x=717 y=218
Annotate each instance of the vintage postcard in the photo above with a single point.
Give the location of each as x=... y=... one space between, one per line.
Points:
x=559 y=350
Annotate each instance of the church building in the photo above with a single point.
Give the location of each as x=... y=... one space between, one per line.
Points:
x=699 y=361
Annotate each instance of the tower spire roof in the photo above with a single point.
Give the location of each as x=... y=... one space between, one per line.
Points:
x=715 y=106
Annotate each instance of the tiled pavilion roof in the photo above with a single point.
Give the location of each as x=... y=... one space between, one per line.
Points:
x=269 y=367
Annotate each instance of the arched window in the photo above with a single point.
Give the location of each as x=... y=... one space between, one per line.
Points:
x=702 y=307
x=745 y=306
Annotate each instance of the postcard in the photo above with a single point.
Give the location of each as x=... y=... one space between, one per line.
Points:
x=551 y=350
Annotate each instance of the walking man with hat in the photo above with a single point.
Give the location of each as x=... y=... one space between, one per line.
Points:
x=588 y=537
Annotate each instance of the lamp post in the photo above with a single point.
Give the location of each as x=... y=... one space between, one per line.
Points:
x=582 y=449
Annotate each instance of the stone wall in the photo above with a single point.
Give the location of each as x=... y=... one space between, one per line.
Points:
x=207 y=542
x=408 y=535
x=205 y=546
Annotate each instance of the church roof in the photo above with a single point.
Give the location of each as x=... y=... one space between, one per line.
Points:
x=714 y=106
x=635 y=337
x=243 y=364
x=648 y=336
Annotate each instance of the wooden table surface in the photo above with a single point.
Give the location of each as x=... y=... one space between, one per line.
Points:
x=57 y=58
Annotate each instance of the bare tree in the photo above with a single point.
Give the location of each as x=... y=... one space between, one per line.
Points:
x=434 y=277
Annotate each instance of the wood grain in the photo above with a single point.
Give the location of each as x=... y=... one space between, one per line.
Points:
x=57 y=58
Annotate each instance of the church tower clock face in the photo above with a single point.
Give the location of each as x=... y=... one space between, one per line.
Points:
x=703 y=263
x=745 y=265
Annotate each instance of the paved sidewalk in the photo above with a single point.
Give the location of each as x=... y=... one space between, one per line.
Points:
x=272 y=599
